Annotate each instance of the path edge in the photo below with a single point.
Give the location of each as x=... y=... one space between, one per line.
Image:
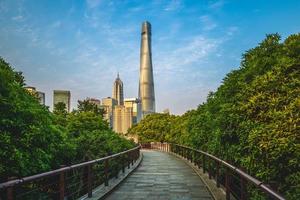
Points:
x=216 y=193
x=101 y=192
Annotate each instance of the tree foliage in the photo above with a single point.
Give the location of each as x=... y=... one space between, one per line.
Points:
x=34 y=140
x=252 y=120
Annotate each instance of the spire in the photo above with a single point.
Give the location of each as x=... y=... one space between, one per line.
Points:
x=118 y=90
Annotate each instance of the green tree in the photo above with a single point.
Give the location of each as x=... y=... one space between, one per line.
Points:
x=87 y=106
x=252 y=120
x=29 y=142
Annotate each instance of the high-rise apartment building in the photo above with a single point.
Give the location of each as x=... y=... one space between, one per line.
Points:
x=41 y=97
x=135 y=105
x=118 y=91
x=108 y=105
x=146 y=84
x=122 y=118
x=38 y=94
x=63 y=96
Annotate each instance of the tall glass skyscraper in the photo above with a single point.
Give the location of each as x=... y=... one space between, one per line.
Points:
x=146 y=84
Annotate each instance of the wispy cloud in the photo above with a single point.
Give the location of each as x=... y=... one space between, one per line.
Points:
x=216 y=4
x=196 y=49
x=56 y=24
x=174 y=5
x=18 y=18
x=93 y=3
x=208 y=23
x=232 y=30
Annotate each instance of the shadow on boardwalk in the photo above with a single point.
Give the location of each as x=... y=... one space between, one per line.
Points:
x=161 y=176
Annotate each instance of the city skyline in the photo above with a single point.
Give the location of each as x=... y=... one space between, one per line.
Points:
x=80 y=46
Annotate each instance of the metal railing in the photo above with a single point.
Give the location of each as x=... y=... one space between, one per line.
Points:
x=237 y=183
x=70 y=182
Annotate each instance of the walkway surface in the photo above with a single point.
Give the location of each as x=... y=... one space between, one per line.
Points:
x=161 y=176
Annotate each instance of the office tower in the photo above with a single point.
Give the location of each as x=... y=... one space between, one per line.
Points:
x=108 y=105
x=134 y=104
x=62 y=96
x=41 y=97
x=122 y=118
x=118 y=91
x=146 y=84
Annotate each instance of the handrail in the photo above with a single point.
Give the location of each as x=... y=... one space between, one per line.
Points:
x=13 y=183
x=169 y=147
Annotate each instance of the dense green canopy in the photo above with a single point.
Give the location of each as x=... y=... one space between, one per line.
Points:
x=252 y=120
x=34 y=140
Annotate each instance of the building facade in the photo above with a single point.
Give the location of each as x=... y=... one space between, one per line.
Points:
x=122 y=118
x=108 y=104
x=63 y=96
x=38 y=94
x=146 y=83
x=135 y=105
x=41 y=97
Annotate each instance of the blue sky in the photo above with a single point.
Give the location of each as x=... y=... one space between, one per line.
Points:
x=81 y=45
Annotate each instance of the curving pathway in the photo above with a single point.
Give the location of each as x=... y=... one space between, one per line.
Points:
x=161 y=176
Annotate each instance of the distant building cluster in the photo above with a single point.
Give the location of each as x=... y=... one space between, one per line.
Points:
x=121 y=113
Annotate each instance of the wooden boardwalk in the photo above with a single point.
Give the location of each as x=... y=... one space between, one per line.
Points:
x=161 y=176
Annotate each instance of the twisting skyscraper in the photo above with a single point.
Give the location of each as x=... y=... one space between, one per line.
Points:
x=118 y=91
x=146 y=85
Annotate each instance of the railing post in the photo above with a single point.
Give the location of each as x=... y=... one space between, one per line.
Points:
x=10 y=190
x=218 y=174
x=227 y=187
x=62 y=185
x=128 y=160
x=10 y=194
x=243 y=189
x=209 y=169
x=123 y=163
x=117 y=169
x=90 y=179
x=106 y=172
x=203 y=163
x=132 y=158
x=193 y=157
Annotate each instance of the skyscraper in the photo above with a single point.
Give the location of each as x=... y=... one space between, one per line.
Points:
x=122 y=119
x=146 y=84
x=41 y=97
x=108 y=104
x=118 y=91
x=62 y=96
x=134 y=104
